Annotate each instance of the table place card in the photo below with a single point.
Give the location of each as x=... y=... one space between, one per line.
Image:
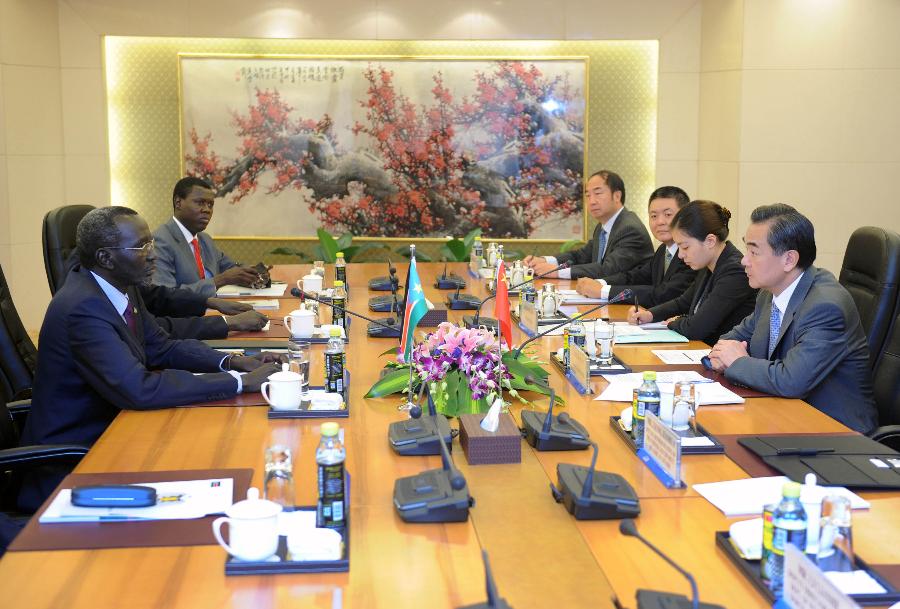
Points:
x=528 y=316
x=580 y=366
x=663 y=446
x=806 y=587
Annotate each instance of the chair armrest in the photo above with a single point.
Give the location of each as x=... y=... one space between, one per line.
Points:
x=889 y=435
x=29 y=457
x=19 y=410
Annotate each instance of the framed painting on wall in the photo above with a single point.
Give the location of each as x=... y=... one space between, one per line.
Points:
x=388 y=147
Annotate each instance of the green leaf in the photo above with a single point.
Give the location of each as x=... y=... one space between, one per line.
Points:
x=356 y=252
x=571 y=244
x=329 y=245
x=344 y=241
x=392 y=382
x=288 y=251
x=451 y=408
x=420 y=255
x=318 y=252
x=469 y=239
x=454 y=251
x=389 y=350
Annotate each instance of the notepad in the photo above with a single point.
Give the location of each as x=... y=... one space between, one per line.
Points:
x=263 y=305
x=236 y=291
x=680 y=356
x=747 y=497
x=572 y=297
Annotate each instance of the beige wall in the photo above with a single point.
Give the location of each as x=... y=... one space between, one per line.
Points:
x=759 y=100
x=799 y=103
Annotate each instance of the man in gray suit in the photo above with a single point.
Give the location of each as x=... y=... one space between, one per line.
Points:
x=804 y=339
x=620 y=241
x=187 y=257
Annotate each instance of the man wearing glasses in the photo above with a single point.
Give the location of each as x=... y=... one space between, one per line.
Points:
x=186 y=256
x=100 y=351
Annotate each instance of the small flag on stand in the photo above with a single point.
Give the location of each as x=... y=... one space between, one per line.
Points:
x=416 y=307
x=501 y=305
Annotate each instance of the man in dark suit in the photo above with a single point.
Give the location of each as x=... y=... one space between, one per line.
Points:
x=620 y=240
x=662 y=277
x=101 y=352
x=185 y=255
x=804 y=339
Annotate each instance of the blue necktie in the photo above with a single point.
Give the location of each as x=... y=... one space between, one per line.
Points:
x=668 y=262
x=601 y=245
x=774 y=327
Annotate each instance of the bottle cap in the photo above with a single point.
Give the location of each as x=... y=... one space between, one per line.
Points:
x=339 y=255
x=790 y=489
x=335 y=332
x=330 y=429
x=338 y=283
x=650 y=375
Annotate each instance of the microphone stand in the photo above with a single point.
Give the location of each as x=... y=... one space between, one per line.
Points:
x=471 y=321
x=297 y=293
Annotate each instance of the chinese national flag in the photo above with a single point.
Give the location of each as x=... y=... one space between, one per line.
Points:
x=501 y=306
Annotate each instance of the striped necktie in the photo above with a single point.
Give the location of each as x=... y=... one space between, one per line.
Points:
x=668 y=261
x=601 y=245
x=774 y=328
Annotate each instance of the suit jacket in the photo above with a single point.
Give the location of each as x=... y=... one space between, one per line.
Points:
x=90 y=366
x=627 y=245
x=176 y=265
x=181 y=313
x=821 y=354
x=724 y=297
x=651 y=283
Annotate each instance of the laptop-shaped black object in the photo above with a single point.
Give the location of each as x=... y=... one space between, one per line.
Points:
x=854 y=461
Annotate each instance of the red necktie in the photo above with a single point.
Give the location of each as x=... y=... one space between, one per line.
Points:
x=196 y=247
x=130 y=319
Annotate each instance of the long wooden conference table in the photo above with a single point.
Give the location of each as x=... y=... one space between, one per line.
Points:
x=540 y=555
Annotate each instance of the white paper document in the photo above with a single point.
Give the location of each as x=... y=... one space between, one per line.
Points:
x=237 y=291
x=680 y=356
x=855 y=582
x=572 y=297
x=747 y=497
x=263 y=305
x=179 y=500
x=627 y=334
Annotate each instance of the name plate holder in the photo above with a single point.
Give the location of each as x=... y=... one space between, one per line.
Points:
x=806 y=587
x=528 y=319
x=661 y=452
x=579 y=372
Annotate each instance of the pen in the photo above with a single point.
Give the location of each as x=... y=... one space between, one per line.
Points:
x=802 y=452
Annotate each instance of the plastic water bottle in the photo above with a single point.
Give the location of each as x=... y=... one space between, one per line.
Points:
x=334 y=363
x=788 y=527
x=340 y=268
x=577 y=332
x=647 y=401
x=566 y=347
x=339 y=301
x=330 y=456
x=477 y=256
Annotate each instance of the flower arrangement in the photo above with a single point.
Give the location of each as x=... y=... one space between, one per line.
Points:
x=464 y=368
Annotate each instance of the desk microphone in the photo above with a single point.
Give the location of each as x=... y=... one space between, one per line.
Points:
x=549 y=432
x=387 y=304
x=624 y=294
x=420 y=435
x=436 y=495
x=297 y=293
x=449 y=282
x=383 y=284
x=494 y=601
x=594 y=495
x=473 y=321
x=649 y=599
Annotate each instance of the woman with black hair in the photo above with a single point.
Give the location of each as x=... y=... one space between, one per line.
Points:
x=720 y=296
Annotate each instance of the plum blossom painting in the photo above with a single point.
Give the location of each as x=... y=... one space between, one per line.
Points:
x=388 y=147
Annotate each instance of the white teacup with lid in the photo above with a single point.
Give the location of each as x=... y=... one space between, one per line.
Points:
x=311 y=283
x=253 y=528
x=283 y=389
x=301 y=323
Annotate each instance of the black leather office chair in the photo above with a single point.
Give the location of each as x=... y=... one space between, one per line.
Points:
x=58 y=236
x=18 y=357
x=871 y=273
x=886 y=380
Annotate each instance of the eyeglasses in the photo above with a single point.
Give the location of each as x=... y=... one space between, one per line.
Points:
x=144 y=249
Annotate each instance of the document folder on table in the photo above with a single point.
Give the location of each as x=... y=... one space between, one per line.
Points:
x=854 y=461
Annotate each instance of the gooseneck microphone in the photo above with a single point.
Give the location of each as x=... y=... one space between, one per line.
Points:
x=623 y=295
x=548 y=432
x=297 y=293
x=594 y=495
x=473 y=321
x=494 y=600
x=648 y=599
x=420 y=435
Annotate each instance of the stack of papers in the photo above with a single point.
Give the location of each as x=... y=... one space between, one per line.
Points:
x=572 y=297
x=263 y=305
x=180 y=500
x=621 y=386
x=235 y=291
x=681 y=356
x=627 y=334
x=748 y=497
